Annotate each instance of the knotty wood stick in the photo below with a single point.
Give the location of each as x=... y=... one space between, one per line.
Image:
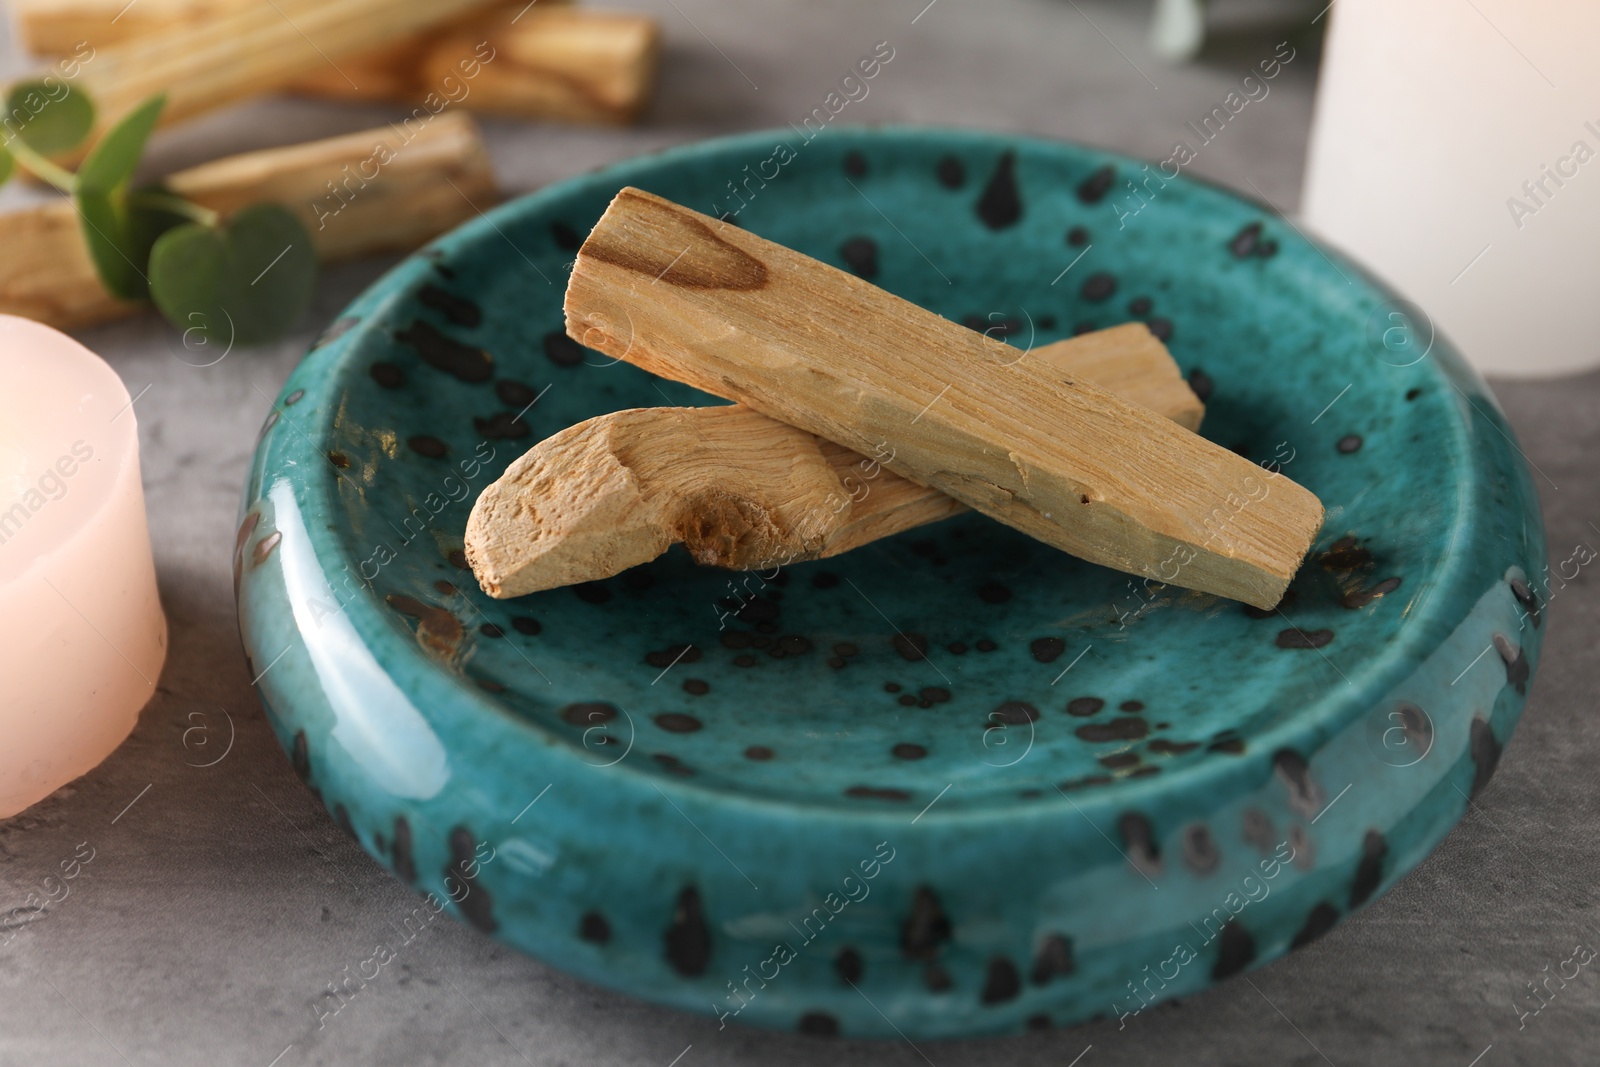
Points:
x=253 y=49
x=548 y=61
x=47 y=274
x=740 y=490
x=709 y=304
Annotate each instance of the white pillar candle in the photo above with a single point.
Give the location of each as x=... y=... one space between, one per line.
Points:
x=1456 y=150
x=82 y=636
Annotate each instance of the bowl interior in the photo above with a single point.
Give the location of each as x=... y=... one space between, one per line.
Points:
x=961 y=653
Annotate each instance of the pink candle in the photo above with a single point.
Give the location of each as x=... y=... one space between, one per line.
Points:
x=82 y=637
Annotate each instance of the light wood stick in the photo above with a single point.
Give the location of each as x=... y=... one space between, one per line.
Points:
x=48 y=275
x=56 y=27
x=709 y=304
x=251 y=50
x=740 y=490
x=549 y=61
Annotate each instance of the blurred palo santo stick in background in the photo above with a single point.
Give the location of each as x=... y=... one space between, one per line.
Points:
x=540 y=61
x=358 y=194
x=738 y=489
x=56 y=27
x=256 y=48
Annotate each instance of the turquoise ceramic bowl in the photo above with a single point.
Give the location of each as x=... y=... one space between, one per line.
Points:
x=954 y=782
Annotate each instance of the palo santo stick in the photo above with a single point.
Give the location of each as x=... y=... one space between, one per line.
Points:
x=707 y=303
x=574 y=65
x=547 y=61
x=57 y=27
x=251 y=50
x=740 y=490
x=47 y=275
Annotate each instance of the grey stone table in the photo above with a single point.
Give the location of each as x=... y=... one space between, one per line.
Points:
x=222 y=899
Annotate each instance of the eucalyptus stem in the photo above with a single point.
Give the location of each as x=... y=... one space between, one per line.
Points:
x=171 y=203
x=38 y=165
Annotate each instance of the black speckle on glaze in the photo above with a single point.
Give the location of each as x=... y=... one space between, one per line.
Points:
x=1485 y=751
x=1099 y=286
x=1294 y=637
x=1054 y=959
x=1360 y=598
x=952 y=175
x=588 y=713
x=1094 y=188
x=1244 y=243
x=594 y=928
x=927 y=929
x=819 y=1024
x=1001 y=204
x=908 y=751
x=427 y=445
x=405 y=864
x=1200 y=852
x=1201 y=384
x=1349 y=443
x=387 y=375
x=1012 y=713
x=592 y=592
x=1139 y=842
x=458 y=309
x=860 y=254
x=1304 y=795
x=676 y=722
x=848 y=966
x=566 y=238
x=1345 y=554
x=515 y=394
x=1084 y=707
x=300 y=756
x=1161 y=328
x=1516 y=662
x=458 y=360
x=911 y=647
x=1002 y=983
x=1526 y=597
x=688 y=939
x=1047 y=649
x=1128 y=728
x=475 y=904
x=1370 y=871
x=855 y=165
x=867 y=792
x=937 y=979
x=502 y=425
x=994 y=593
x=1320 y=921
x=562 y=350
x=1236 y=950
x=1077 y=237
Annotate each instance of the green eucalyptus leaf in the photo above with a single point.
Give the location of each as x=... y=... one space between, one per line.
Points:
x=7 y=165
x=120 y=238
x=243 y=282
x=49 y=115
x=114 y=158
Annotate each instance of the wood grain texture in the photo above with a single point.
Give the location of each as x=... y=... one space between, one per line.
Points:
x=255 y=48
x=550 y=61
x=50 y=278
x=738 y=489
x=706 y=303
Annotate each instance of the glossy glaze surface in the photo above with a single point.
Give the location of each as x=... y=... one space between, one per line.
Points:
x=1055 y=776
